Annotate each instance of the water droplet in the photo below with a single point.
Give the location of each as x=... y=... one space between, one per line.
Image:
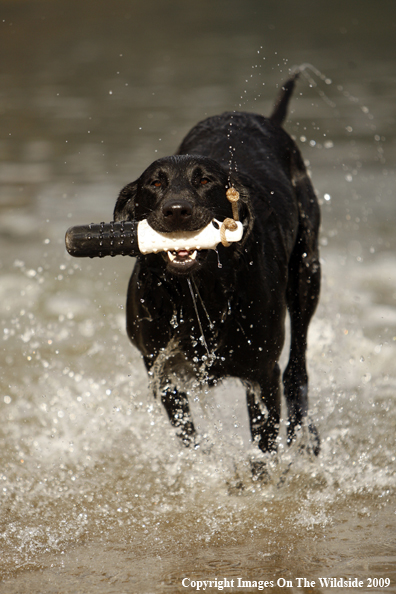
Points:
x=219 y=264
x=174 y=323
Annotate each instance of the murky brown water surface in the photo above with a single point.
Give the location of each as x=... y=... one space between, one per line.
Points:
x=96 y=495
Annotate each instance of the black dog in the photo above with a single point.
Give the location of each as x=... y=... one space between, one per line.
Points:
x=204 y=316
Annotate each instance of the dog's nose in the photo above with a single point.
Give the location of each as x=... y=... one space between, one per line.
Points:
x=177 y=212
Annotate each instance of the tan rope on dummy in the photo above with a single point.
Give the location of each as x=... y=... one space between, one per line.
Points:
x=233 y=196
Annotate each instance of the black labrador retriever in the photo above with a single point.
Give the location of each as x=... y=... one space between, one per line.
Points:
x=201 y=315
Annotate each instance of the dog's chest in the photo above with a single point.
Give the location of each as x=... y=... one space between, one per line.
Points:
x=187 y=327
x=204 y=346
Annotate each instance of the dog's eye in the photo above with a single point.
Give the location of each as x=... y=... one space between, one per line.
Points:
x=203 y=181
x=157 y=183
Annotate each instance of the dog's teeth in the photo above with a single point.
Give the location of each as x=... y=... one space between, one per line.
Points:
x=176 y=256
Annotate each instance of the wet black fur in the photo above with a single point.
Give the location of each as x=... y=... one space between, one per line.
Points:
x=242 y=305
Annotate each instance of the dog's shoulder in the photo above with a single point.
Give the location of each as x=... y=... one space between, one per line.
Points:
x=259 y=145
x=229 y=127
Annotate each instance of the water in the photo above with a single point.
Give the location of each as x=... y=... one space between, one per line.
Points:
x=96 y=494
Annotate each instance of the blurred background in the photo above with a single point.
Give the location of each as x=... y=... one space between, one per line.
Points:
x=94 y=488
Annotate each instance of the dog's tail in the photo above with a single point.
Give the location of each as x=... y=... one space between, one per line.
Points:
x=280 y=108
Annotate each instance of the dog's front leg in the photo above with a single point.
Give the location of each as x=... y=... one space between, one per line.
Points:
x=263 y=402
x=178 y=410
x=174 y=401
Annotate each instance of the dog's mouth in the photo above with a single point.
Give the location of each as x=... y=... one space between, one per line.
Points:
x=182 y=261
x=182 y=256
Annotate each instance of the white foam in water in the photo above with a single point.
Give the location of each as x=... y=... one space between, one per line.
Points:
x=87 y=451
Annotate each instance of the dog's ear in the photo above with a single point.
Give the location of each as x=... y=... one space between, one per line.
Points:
x=125 y=206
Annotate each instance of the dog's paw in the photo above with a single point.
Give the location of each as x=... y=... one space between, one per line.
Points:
x=313 y=445
x=236 y=487
x=306 y=439
x=259 y=471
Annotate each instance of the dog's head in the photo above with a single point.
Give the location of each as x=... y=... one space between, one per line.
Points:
x=181 y=193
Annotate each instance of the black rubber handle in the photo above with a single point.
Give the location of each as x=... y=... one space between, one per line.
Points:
x=103 y=239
